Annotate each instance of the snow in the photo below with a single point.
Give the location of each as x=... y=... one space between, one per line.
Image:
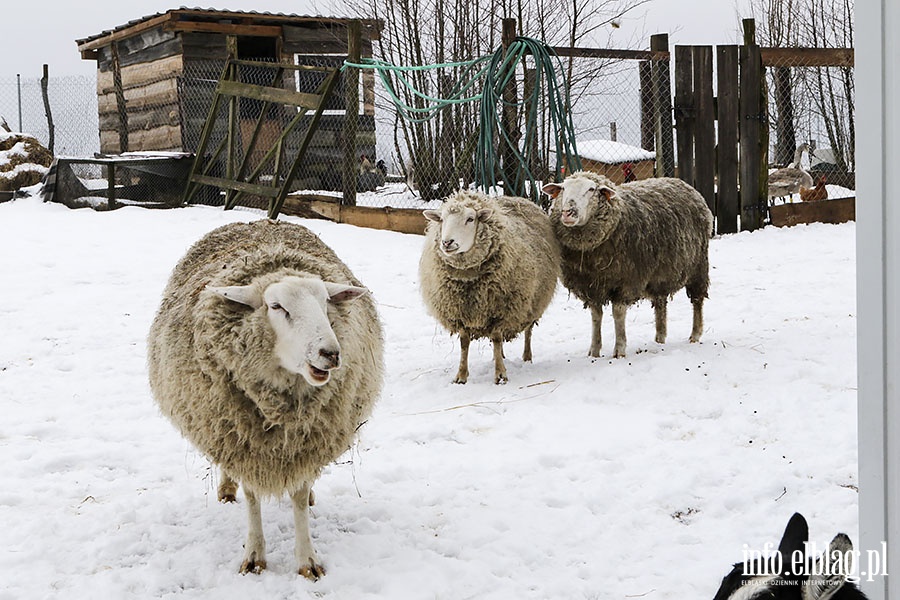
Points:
x=646 y=476
x=610 y=152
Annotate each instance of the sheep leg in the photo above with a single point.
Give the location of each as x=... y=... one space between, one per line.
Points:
x=526 y=354
x=499 y=367
x=462 y=375
x=255 y=548
x=310 y=567
x=697 y=329
x=618 y=310
x=596 y=319
x=659 y=308
x=228 y=487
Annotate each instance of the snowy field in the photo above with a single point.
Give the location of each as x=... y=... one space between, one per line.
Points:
x=644 y=477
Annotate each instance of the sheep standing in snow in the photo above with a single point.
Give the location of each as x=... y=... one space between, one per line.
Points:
x=267 y=354
x=620 y=244
x=488 y=270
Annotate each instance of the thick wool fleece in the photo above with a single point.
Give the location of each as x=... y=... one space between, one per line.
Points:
x=504 y=282
x=213 y=371
x=648 y=241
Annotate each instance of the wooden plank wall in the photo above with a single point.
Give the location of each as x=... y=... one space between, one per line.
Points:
x=727 y=199
x=148 y=69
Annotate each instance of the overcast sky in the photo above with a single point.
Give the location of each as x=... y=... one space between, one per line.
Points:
x=38 y=32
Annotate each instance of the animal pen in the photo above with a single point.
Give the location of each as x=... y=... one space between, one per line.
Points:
x=630 y=118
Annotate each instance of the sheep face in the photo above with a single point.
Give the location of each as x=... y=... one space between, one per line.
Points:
x=297 y=310
x=459 y=226
x=577 y=199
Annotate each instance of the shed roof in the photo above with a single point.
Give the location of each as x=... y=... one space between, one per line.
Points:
x=211 y=20
x=609 y=152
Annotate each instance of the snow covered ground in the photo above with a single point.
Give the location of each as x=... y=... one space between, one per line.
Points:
x=644 y=477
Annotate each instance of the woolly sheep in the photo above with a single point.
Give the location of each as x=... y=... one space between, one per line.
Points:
x=266 y=353
x=620 y=244
x=488 y=270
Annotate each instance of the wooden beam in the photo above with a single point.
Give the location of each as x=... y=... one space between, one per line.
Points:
x=254 y=189
x=223 y=28
x=807 y=57
x=268 y=94
x=121 y=34
x=611 y=53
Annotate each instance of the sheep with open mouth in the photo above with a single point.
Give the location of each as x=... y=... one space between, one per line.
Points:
x=621 y=244
x=266 y=353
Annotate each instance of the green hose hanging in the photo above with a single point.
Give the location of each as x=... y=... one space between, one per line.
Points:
x=492 y=74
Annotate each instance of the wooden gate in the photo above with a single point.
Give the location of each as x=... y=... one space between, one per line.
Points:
x=722 y=141
x=725 y=163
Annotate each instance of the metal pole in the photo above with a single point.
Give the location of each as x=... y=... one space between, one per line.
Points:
x=19 y=89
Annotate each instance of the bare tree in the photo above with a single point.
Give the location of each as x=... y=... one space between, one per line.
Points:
x=810 y=99
x=424 y=32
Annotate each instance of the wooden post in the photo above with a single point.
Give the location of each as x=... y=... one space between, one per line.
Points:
x=50 y=129
x=753 y=195
x=120 y=98
x=511 y=167
x=685 y=112
x=704 y=126
x=231 y=137
x=351 y=118
x=727 y=199
x=648 y=114
x=111 y=186
x=665 y=146
x=613 y=133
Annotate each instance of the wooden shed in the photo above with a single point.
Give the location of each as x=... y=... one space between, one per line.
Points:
x=616 y=160
x=156 y=77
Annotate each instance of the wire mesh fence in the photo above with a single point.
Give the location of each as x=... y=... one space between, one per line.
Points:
x=620 y=108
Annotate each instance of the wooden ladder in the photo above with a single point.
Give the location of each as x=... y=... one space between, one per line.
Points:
x=239 y=179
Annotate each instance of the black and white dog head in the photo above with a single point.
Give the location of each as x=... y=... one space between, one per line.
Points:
x=791 y=575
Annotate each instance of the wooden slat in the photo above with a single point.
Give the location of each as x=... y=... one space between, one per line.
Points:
x=648 y=106
x=705 y=127
x=727 y=199
x=223 y=28
x=752 y=210
x=279 y=96
x=140 y=75
x=684 y=112
x=254 y=189
x=124 y=33
x=807 y=57
x=611 y=53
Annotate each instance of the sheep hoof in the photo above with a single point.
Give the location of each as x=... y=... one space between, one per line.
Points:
x=501 y=380
x=695 y=339
x=660 y=339
x=227 y=491
x=594 y=353
x=313 y=571
x=619 y=354
x=227 y=498
x=253 y=566
x=460 y=380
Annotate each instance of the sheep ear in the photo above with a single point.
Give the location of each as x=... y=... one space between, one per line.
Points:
x=552 y=189
x=484 y=214
x=432 y=215
x=244 y=294
x=607 y=193
x=339 y=292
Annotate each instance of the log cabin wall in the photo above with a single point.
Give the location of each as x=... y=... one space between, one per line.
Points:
x=156 y=79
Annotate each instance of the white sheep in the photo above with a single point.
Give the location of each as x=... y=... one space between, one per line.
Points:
x=266 y=353
x=488 y=270
x=621 y=244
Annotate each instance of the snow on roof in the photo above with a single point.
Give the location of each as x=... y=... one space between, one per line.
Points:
x=609 y=152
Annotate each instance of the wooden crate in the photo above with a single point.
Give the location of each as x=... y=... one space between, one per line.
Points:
x=838 y=210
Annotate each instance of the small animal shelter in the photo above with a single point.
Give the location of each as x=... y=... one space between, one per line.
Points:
x=157 y=78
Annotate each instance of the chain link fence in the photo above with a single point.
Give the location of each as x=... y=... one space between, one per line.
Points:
x=621 y=111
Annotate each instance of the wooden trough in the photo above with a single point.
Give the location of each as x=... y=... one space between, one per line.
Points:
x=838 y=210
x=310 y=206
